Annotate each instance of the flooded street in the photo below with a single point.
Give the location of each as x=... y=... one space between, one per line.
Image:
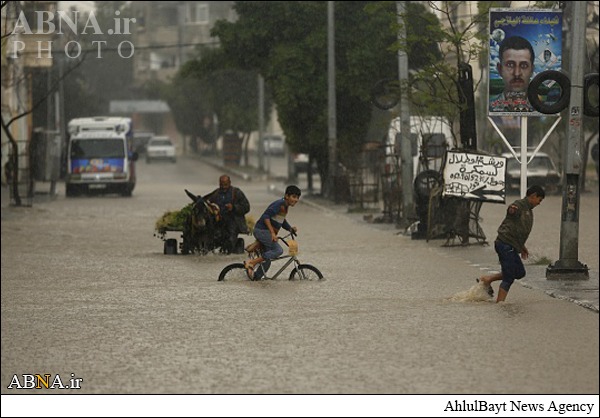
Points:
x=87 y=292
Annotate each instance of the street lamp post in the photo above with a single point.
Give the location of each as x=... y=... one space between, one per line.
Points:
x=568 y=265
x=408 y=206
x=331 y=101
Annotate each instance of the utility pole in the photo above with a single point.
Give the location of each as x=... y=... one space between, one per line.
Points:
x=261 y=123
x=568 y=266
x=406 y=142
x=331 y=103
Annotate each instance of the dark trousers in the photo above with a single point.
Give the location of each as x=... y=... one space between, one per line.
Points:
x=510 y=261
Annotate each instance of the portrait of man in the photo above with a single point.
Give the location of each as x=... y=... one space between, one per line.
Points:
x=516 y=68
x=522 y=43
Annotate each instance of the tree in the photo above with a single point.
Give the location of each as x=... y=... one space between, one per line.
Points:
x=434 y=88
x=464 y=40
x=186 y=100
x=104 y=75
x=287 y=43
x=211 y=86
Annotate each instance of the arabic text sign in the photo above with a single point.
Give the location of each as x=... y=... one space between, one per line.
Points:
x=475 y=176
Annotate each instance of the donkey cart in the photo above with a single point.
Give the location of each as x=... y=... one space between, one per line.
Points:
x=200 y=227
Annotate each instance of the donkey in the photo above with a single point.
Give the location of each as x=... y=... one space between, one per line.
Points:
x=201 y=232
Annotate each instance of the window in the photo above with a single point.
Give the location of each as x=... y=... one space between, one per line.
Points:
x=160 y=143
x=97 y=148
x=197 y=13
x=166 y=15
x=161 y=60
x=434 y=145
x=540 y=163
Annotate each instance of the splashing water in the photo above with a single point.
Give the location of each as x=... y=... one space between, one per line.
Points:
x=477 y=293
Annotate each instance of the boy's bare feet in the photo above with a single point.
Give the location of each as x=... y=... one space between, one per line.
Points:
x=488 y=286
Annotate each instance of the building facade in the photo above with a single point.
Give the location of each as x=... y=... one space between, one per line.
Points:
x=169 y=33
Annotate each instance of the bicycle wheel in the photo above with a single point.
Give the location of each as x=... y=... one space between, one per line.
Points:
x=306 y=272
x=233 y=272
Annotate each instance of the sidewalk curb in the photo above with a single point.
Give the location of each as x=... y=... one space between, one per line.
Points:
x=234 y=171
x=548 y=287
x=581 y=292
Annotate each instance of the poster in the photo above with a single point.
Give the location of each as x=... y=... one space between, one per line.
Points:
x=475 y=176
x=522 y=44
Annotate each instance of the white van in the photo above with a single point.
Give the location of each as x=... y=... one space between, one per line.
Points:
x=100 y=156
x=430 y=138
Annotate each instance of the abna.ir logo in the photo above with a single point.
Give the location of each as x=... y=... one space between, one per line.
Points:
x=44 y=381
x=61 y=24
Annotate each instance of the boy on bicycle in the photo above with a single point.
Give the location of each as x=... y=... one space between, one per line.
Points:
x=266 y=229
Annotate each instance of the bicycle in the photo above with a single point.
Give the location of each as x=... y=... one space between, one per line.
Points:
x=237 y=271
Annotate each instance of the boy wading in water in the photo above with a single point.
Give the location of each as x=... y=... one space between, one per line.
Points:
x=510 y=243
x=266 y=229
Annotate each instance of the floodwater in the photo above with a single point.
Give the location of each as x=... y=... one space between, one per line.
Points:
x=476 y=293
x=88 y=293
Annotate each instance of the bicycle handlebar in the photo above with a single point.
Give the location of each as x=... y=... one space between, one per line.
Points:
x=291 y=234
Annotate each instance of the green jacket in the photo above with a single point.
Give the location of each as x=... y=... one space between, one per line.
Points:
x=516 y=226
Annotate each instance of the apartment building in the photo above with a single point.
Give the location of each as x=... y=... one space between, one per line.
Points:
x=168 y=33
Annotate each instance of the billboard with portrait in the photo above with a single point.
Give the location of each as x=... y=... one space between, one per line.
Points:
x=522 y=43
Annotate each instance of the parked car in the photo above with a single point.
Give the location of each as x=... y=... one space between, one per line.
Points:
x=301 y=162
x=274 y=145
x=541 y=170
x=160 y=148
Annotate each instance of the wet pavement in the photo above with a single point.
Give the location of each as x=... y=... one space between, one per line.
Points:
x=581 y=292
x=87 y=290
x=584 y=293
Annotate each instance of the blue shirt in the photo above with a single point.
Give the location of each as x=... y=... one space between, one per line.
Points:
x=276 y=212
